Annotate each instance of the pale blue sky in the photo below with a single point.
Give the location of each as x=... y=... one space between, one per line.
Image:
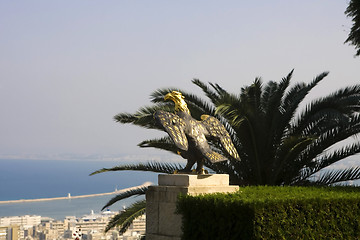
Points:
x=67 y=67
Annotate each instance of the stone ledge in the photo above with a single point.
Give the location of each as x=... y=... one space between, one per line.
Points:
x=171 y=193
x=187 y=180
x=195 y=189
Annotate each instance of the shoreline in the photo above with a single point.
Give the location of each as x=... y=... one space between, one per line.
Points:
x=146 y=184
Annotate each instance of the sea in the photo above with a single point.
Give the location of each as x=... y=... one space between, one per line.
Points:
x=34 y=179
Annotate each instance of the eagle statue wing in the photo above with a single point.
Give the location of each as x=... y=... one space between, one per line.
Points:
x=217 y=130
x=174 y=126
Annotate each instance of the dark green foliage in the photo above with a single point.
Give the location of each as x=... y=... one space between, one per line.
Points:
x=353 y=11
x=273 y=213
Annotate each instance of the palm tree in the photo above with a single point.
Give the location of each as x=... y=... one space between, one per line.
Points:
x=278 y=143
x=353 y=11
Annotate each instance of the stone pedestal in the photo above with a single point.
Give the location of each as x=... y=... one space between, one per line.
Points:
x=161 y=221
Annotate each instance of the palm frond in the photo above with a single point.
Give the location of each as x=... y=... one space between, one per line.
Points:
x=338 y=106
x=274 y=101
x=290 y=104
x=148 y=167
x=165 y=143
x=329 y=138
x=353 y=12
x=144 y=116
x=250 y=95
x=132 y=192
x=325 y=160
x=198 y=106
x=273 y=111
x=212 y=95
x=298 y=92
x=335 y=156
x=269 y=89
x=285 y=158
x=221 y=91
x=232 y=109
x=124 y=219
x=336 y=176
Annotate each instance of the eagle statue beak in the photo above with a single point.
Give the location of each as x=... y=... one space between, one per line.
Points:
x=168 y=96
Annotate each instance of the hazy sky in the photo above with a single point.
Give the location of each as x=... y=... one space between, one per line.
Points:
x=67 y=67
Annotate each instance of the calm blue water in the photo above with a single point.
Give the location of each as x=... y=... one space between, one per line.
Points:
x=60 y=208
x=29 y=179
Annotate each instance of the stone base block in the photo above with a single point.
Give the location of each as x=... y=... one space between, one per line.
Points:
x=162 y=223
x=186 y=180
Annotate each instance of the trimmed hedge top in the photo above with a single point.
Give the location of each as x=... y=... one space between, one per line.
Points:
x=276 y=193
x=273 y=212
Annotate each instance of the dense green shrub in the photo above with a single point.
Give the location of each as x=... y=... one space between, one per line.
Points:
x=273 y=213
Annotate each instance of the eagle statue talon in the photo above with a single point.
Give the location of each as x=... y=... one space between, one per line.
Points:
x=190 y=135
x=184 y=171
x=202 y=171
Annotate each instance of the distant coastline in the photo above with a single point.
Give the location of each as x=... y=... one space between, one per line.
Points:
x=75 y=197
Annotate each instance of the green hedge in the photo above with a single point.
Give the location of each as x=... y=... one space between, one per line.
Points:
x=273 y=213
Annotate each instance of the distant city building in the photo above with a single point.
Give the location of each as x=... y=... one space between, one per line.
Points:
x=136 y=230
x=3 y=233
x=87 y=227
x=18 y=227
x=20 y=220
x=10 y=233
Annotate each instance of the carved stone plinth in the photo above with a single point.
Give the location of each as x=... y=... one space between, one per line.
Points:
x=161 y=221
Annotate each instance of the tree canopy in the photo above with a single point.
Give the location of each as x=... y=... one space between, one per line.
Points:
x=279 y=143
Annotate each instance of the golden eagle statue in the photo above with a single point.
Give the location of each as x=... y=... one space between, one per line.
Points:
x=190 y=136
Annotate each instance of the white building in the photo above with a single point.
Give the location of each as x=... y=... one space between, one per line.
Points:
x=26 y=221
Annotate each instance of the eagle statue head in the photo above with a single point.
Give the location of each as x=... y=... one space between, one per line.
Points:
x=178 y=99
